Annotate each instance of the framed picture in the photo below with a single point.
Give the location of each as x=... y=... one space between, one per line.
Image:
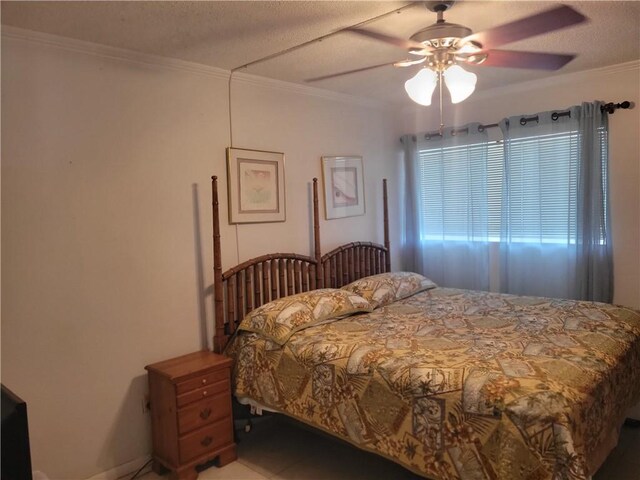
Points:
x=256 y=186
x=343 y=179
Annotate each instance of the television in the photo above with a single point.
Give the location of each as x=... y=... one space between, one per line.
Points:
x=15 y=463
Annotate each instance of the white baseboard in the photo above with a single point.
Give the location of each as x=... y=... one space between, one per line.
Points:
x=122 y=470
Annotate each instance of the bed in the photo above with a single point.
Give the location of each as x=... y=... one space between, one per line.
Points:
x=451 y=384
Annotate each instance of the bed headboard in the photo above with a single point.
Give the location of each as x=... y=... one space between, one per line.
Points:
x=268 y=277
x=355 y=260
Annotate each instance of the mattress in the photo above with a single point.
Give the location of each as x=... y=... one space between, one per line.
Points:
x=459 y=384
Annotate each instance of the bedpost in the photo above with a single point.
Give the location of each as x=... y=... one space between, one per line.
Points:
x=316 y=237
x=219 y=338
x=387 y=244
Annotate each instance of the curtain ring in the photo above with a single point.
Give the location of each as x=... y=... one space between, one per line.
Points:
x=524 y=120
x=480 y=128
x=555 y=116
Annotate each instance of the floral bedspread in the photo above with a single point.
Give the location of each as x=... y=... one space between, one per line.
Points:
x=458 y=384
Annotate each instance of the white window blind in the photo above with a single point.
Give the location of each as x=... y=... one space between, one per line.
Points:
x=603 y=137
x=461 y=190
x=542 y=188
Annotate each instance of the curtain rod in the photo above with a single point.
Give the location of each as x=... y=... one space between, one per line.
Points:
x=609 y=108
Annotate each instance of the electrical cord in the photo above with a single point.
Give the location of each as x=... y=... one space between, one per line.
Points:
x=231 y=146
x=141 y=468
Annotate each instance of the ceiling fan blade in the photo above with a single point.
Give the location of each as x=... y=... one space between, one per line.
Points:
x=532 y=60
x=544 y=22
x=398 y=42
x=371 y=67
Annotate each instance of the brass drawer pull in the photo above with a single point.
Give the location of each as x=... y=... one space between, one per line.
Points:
x=204 y=414
x=204 y=380
x=204 y=394
x=206 y=441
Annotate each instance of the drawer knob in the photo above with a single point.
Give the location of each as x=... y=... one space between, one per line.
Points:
x=204 y=414
x=204 y=380
x=204 y=394
x=206 y=441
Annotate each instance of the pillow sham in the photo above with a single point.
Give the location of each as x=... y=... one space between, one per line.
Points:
x=384 y=288
x=281 y=318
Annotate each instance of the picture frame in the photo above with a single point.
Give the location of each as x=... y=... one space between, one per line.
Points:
x=343 y=178
x=256 y=186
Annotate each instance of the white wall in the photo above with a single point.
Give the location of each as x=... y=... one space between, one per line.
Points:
x=610 y=84
x=106 y=223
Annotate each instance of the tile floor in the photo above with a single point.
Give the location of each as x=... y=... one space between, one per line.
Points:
x=276 y=449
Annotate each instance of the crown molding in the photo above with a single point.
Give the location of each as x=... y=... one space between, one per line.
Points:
x=158 y=61
x=274 y=84
x=112 y=53
x=559 y=79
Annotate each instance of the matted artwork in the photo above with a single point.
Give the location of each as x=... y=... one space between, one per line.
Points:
x=256 y=186
x=343 y=186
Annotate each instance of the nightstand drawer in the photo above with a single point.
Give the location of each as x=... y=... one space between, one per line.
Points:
x=204 y=392
x=206 y=439
x=201 y=381
x=203 y=412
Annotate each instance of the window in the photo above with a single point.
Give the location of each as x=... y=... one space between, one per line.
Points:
x=461 y=190
x=542 y=188
x=526 y=214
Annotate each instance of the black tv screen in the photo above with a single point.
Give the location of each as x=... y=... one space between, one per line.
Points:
x=16 y=454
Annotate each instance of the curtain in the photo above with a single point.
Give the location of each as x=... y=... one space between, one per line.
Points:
x=410 y=239
x=594 y=268
x=554 y=238
x=446 y=219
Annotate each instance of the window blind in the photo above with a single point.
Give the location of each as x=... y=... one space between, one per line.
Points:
x=542 y=188
x=461 y=190
x=603 y=137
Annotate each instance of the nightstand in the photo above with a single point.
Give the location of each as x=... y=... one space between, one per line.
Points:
x=191 y=417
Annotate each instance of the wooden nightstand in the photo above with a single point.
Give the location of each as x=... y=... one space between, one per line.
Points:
x=192 y=424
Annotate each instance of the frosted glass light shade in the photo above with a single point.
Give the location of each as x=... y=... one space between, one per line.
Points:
x=460 y=83
x=420 y=87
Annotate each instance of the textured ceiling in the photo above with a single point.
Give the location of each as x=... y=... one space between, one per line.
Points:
x=233 y=34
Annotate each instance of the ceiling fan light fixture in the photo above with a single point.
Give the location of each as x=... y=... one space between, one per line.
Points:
x=459 y=82
x=421 y=86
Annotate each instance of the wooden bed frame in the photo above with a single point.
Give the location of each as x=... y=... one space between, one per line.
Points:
x=268 y=277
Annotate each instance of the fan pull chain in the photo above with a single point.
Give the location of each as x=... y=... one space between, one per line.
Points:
x=440 y=88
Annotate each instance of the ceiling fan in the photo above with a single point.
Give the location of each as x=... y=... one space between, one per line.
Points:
x=441 y=47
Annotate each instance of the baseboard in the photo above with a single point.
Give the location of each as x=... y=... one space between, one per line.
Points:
x=122 y=470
